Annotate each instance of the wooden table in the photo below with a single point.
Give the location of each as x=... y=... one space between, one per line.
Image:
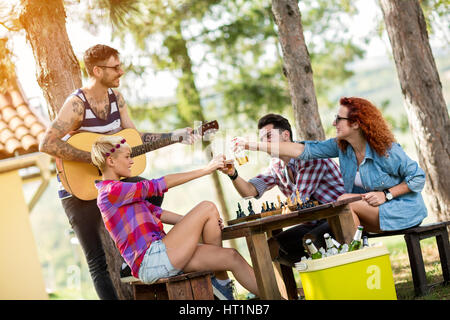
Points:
x=256 y=231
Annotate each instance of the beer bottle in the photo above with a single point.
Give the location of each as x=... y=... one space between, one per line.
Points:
x=337 y=244
x=331 y=248
x=365 y=241
x=356 y=243
x=315 y=254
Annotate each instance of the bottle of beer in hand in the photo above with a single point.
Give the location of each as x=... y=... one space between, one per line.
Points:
x=315 y=254
x=356 y=243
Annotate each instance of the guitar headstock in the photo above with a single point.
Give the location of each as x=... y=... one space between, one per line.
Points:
x=208 y=128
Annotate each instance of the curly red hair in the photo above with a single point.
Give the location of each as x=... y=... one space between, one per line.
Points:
x=373 y=126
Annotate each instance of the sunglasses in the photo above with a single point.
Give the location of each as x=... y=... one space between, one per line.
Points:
x=337 y=118
x=116 y=68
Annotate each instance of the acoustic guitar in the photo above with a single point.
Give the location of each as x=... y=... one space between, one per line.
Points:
x=78 y=177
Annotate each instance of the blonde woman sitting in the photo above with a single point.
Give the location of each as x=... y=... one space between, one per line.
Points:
x=136 y=225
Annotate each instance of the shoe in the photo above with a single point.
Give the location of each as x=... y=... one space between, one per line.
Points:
x=125 y=274
x=222 y=292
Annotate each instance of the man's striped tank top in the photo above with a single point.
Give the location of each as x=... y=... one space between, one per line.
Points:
x=92 y=123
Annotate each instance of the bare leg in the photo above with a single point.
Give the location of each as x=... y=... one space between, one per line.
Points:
x=224 y=258
x=364 y=214
x=182 y=245
x=181 y=241
x=212 y=235
x=367 y=214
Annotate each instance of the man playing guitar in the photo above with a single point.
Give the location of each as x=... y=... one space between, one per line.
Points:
x=97 y=108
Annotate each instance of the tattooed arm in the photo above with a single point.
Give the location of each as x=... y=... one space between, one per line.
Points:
x=68 y=119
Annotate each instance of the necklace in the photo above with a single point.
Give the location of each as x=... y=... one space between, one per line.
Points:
x=359 y=157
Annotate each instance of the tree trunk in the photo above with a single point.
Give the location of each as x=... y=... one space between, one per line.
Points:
x=58 y=75
x=58 y=71
x=421 y=87
x=114 y=261
x=297 y=68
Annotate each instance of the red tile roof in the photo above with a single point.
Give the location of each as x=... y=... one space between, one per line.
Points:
x=20 y=129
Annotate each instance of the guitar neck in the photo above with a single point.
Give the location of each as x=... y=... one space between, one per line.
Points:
x=168 y=140
x=150 y=146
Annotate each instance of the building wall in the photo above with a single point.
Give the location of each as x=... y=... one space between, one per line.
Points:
x=20 y=271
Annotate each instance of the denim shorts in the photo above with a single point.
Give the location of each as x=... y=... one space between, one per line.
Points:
x=156 y=264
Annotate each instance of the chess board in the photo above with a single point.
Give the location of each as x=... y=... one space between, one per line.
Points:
x=258 y=216
x=286 y=206
x=313 y=206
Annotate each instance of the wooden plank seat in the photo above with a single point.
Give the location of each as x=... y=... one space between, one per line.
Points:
x=186 y=286
x=413 y=236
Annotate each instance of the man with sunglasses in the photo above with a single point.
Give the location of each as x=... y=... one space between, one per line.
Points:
x=318 y=180
x=96 y=107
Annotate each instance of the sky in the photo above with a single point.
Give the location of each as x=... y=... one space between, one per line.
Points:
x=163 y=84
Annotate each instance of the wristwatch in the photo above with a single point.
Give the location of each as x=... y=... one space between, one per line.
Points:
x=234 y=176
x=388 y=195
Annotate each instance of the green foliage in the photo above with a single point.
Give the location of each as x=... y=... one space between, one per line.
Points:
x=332 y=69
x=266 y=90
x=240 y=41
x=120 y=11
x=437 y=18
x=255 y=83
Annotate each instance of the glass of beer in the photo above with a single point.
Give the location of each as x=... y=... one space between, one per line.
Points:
x=229 y=166
x=241 y=156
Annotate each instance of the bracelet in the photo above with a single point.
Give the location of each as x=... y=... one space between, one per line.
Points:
x=234 y=176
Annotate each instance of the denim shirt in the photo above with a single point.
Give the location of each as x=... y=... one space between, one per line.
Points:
x=377 y=174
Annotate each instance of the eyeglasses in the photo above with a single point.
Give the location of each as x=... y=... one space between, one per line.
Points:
x=116 y=68
x=337 y=118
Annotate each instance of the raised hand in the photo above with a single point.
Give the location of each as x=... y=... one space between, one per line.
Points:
x=187 y=135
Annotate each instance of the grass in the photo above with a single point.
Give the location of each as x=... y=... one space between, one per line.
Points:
x=402 y=271
x=73 y=294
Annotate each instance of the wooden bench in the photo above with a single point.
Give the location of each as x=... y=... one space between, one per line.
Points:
x=186 y=286
x=412 y=237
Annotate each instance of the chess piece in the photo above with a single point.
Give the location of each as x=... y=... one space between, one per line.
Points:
x=240 y=213
x=264 y=208
x=250 y=209
x=279 y=201
x=289 y=201
x=272 y=206
x=299 y=200
x=267 y=206
x=287 y=210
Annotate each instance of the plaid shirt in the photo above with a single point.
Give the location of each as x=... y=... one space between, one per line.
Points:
x=132 y=222
x=319 y=179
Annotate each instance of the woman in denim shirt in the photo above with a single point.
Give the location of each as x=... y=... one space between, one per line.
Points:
x=372 y=164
